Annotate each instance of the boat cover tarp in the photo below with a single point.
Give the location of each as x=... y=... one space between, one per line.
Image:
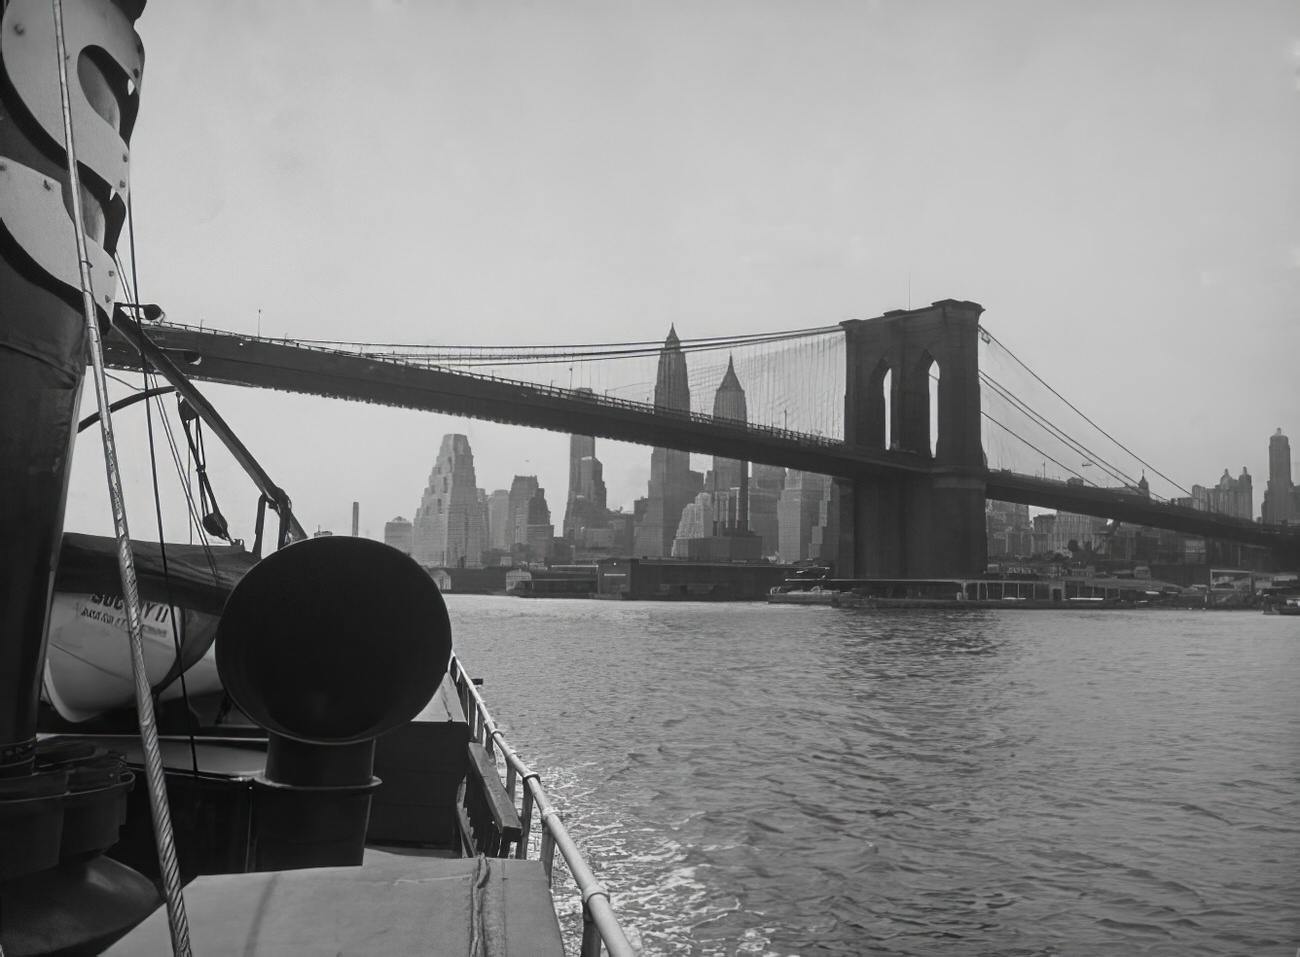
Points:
x=88 y=662
x=198 y=577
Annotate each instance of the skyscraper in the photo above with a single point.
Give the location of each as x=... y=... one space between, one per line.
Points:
x=764 y=494
x=730 y=477
x=586 y=506
x=1232 y=496
x=522 y=490
x=672 y=484
x=448 y=528
x=500 y=531
x=1280 y=505
x=538 y=530
x=397 y=534
x=799 y=512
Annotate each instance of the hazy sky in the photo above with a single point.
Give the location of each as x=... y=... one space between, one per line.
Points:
x=1118 y=183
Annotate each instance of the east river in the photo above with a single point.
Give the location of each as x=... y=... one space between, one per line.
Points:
x=767 y=780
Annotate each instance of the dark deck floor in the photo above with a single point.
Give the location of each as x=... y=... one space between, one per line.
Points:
x=394 y=904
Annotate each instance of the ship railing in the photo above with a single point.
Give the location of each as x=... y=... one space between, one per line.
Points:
x=599 y=923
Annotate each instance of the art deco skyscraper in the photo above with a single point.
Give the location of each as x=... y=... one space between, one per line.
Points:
x=586 y=506
x=729 y=481
x=672 y=486
x=448 y=528
x=1279 y=500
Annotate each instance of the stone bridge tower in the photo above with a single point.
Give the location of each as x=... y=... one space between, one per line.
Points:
x=929 y=524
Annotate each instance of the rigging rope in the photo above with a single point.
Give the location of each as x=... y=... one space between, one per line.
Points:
x=157 y=502
x=178 y=923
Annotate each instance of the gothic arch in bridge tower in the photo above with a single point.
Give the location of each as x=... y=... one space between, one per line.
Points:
x=876 y=400
x=929 y=524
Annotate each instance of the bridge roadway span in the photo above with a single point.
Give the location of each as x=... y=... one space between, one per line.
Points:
x=288 y=366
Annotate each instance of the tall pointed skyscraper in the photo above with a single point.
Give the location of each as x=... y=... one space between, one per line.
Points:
x=729 y=480
x=672 y=485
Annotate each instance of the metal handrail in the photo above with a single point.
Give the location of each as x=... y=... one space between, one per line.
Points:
x=600 y=925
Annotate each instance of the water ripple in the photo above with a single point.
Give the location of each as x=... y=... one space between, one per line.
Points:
x=770 y=782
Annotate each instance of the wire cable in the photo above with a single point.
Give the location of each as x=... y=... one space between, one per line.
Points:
x=1081 y=415
x=157 y=504
x=1075 y=446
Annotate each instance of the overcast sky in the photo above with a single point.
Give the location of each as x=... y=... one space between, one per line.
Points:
x=1117 y=183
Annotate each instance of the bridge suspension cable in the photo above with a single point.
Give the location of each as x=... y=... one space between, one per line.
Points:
x=989 y=337
x=1113 y=471
x=1045 y=455
x=471 y=355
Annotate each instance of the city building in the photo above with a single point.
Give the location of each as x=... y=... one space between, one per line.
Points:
x=500 y=531
x=729 y=478
x=824 y=534
x=1281 y=498
x=1072 y=532
x=586 y=508
x=1009 y=529
x=765 y=488
x=1231 y=496
x=799 y=511
x=672 y=484
x=698 y=521
x=715 y=526
x=397 y=534
x=448 y=526
x=522 y=490
x=538 y=531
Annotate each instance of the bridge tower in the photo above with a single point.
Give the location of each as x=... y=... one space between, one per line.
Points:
x=926 y=525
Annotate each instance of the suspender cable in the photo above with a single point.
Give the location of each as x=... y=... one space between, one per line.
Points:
x=130 y=591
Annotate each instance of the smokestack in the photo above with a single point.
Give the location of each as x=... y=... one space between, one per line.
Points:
x=356 y=517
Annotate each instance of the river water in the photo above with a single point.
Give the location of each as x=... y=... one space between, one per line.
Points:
x=769 y=780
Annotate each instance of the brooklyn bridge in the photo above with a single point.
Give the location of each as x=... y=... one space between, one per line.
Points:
x=898 y=409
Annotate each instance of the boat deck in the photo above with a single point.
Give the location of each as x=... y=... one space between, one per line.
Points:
x=394 y=904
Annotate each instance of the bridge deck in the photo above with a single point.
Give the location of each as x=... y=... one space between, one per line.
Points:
x=292 y=367
x=286 y=366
